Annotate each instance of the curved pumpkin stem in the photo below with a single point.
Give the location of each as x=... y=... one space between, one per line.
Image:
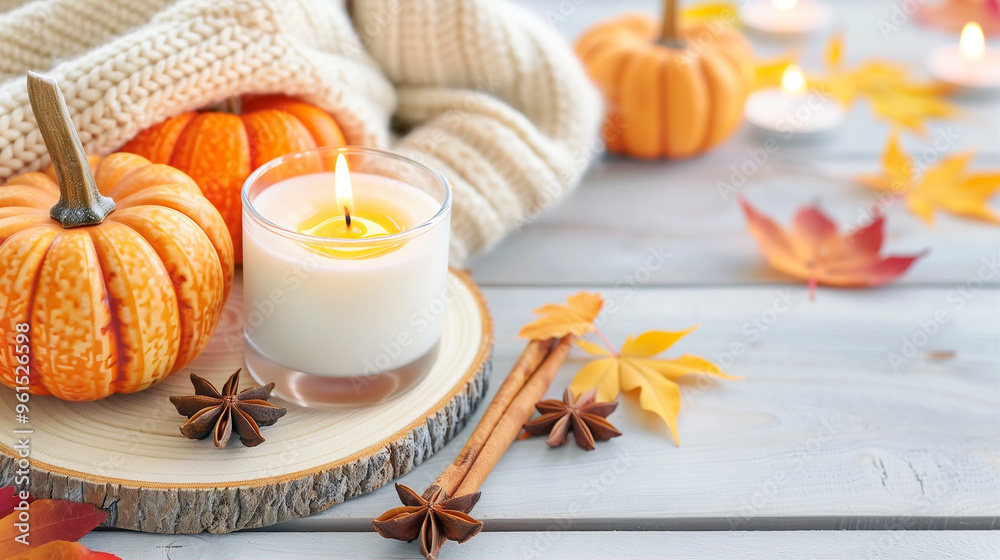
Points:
x=231 y=105
x=669 y=36
x=80 y=203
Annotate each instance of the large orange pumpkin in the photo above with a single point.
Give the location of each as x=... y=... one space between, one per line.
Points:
x=220 y=149
x=669 y=92
x=118 y=285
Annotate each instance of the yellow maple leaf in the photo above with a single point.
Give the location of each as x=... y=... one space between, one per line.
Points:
x=897 y=169
x=709 y=11
x=635 y=369
x=557 y=320
x=769 y=71
x=908 y=106
x=891 y=91
x=946 y=186
x=833 y=55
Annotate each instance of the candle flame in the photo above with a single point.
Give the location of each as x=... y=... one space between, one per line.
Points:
x=784 y=5
x=342 y=186
x=792 y=80
x=972 y=41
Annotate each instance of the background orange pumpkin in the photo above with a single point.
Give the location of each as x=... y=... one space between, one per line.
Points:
x=670 y=92
x=219 y=150
x=120 y=284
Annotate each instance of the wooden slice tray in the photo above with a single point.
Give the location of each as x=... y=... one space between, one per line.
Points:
x=125 y=453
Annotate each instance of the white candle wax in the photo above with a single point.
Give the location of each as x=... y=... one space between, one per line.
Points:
x=786 y=17
x=949 y=64
x=803 y=115
x=337 y=317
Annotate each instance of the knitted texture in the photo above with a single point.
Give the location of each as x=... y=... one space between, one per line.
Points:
x=484 y=92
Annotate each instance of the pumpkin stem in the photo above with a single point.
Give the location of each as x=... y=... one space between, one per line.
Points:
x=80 y=203
x=669 y=36
x=231 y=105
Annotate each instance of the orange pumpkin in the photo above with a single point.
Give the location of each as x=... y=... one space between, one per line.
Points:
x=118 y=285
x=669 y=93
x=219 y=150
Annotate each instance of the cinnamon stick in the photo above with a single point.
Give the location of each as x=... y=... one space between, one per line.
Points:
x=523 y=369
x=510 y=423
x=437 y=516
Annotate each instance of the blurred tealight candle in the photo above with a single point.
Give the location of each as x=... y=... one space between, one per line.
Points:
x=793 y=111
x=970 y=64
x=786 y=17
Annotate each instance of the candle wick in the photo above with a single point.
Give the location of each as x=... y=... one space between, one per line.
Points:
x=347 y=216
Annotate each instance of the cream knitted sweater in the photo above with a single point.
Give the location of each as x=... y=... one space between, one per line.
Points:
x=486 y=93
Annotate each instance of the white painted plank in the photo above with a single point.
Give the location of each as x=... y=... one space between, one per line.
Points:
x=884 y=545
x=617 y=228
x=862 y=23
x=822 y=432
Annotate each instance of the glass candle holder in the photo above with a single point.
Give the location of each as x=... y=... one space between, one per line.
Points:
x=337 y=289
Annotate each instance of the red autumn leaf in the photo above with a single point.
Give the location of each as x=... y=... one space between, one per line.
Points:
x=813 y=250
x=9 y=499
x=63 y=550
x=49 y=520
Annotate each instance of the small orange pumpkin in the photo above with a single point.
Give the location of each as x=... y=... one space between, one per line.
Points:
x=118 y=285
x=669 y=93
x=220 y=149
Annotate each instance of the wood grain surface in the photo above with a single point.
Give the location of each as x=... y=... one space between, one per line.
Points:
x=745 y=545
x=824 y=431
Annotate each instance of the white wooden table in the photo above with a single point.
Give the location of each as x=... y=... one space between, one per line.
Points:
x=824 y=450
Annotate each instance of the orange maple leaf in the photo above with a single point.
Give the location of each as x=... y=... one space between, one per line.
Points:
x=557 y=320
x=63 y=550
x=813 y=250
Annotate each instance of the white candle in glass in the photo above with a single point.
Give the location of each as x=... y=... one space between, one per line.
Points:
x=970 y=64
x=319 y=311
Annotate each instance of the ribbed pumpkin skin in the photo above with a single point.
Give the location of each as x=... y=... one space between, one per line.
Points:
x=666 y=102
x=219 y=150
x=112 y=308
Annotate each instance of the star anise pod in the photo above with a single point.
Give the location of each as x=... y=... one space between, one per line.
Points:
x=210 y=411
x=583 y=415
x=433 y=517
